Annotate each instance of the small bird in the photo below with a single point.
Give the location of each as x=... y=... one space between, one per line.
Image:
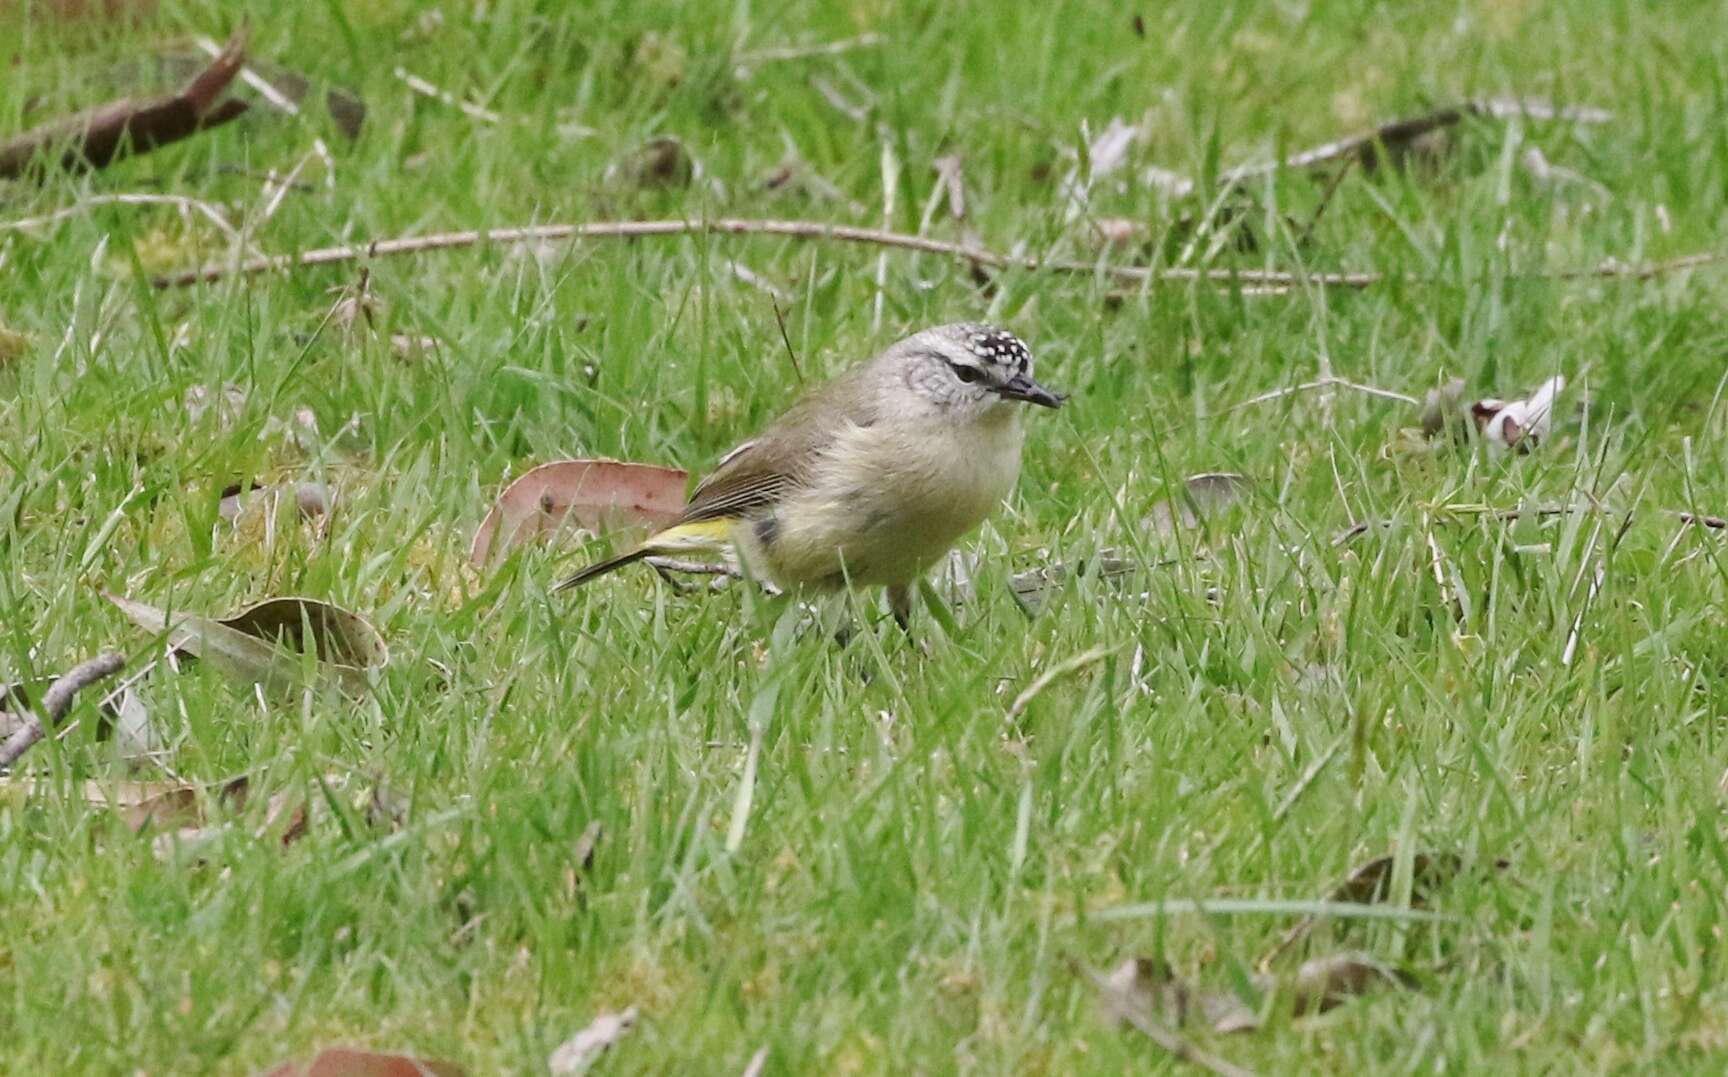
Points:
x=871 y=477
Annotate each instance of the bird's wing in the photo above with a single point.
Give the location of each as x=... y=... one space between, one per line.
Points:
x=761 y=472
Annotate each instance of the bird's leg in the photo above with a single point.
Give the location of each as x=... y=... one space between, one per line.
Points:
x=900 y=604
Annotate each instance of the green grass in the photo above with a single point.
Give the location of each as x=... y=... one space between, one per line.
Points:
x=912 y=878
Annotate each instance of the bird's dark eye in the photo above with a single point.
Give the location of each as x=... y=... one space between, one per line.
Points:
x=967 y=374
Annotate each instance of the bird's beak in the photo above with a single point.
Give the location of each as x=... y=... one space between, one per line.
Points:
x=1020 y=387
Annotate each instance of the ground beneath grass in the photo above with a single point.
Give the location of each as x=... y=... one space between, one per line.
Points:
x=898 y=856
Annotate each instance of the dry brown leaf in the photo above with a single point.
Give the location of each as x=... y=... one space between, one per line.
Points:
x=263 y=643
x=659 y=162
x=225 y=404
x=592 y=494
x=1031 y=589
x=160 y=805
x=1149 y=987
x=1153 y=989
x=97 y=137
x=1324 y=982
x=1202 y=496
x=353 y=1062
x=1368 y=884
x=13 y=345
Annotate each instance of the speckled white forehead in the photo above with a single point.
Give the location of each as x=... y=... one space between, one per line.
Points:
x=998 y=346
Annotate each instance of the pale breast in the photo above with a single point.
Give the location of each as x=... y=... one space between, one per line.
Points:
x=889 y=502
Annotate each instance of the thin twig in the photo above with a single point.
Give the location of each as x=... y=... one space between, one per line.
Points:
x=275 y=190
x=841 y=233
x=800 y=52
x=1715 y=523
x=780 y=320
x=1156 y=1031
x=56 y=701
x=1326 y=199
x=421 y=86
x=831 y=94
x=1328 y=382
x=757 y=1062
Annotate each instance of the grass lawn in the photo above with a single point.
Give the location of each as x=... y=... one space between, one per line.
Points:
x=852 y=858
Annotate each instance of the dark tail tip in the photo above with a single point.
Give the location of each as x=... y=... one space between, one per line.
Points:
x=600 y=568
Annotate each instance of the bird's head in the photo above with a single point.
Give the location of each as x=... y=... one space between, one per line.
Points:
x=970 y=369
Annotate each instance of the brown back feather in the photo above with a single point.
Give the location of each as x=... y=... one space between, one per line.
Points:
x=761 y=472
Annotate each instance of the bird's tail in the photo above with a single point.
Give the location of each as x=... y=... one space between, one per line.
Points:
x=706 y=535
x=600 y=568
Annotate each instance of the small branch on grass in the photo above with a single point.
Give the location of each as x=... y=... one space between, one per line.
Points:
x=1397 y=136
x=56 y=701
x=1715 y=523
x=840 y=233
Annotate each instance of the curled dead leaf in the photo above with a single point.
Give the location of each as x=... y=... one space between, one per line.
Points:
x=1324 y=982
x=1202 y=495
x=263 y=643
x=662 y=161
x=592 y=494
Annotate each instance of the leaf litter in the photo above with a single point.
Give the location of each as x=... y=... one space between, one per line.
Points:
x=594 y=495
x=268 y=643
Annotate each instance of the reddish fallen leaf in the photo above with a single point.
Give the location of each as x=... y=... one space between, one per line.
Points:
x=353 y=1062
x=120 y=12
x=99 y=136
x=593 y=494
